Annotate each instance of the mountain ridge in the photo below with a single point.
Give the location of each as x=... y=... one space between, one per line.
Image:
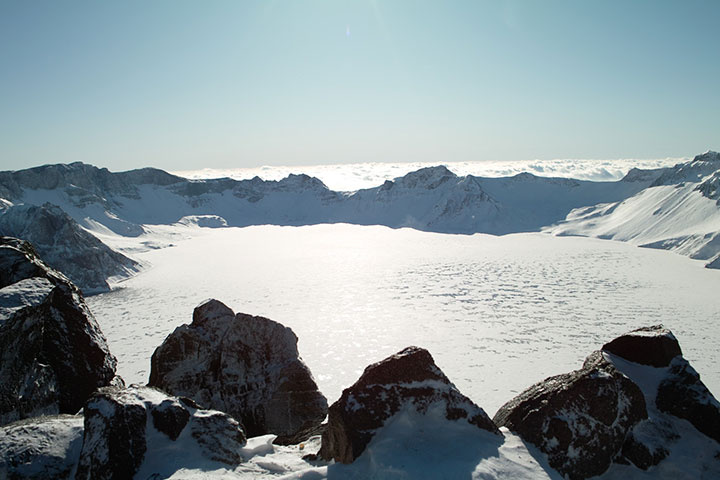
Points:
x=431 y=199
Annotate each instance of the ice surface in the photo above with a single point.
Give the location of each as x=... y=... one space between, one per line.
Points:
x=497 y=313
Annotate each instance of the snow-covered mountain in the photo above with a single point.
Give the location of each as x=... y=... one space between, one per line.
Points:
x=674 y=208
x=679 y=211
x=432 y=199
x=87 y=261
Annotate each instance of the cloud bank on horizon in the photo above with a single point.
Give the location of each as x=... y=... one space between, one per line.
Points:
x=349 y=177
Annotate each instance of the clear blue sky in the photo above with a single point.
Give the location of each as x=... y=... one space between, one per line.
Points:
x=191 y=84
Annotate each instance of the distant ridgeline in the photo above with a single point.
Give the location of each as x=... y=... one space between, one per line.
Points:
x=676 y=208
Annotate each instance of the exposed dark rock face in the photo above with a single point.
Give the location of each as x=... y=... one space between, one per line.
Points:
x=116 y=437
x=408 y=379
x=114 y=441
x=170 y=417
x=579 y=419
x=52 y=352
x=684 y=395
x=41 y=448
x=62 y=243
x=19 y=261
x=655 y=346
x=244 y=365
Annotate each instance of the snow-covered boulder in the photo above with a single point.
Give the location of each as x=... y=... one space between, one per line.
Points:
x=41 y=448
x=63 y=244
x=143 y=429
x=625 y=409
x=52 y=352
x=680 y=392
x=579 y=419
x=244 y=365
x=406 y=381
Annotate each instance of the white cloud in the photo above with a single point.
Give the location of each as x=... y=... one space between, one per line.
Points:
x=348 y=177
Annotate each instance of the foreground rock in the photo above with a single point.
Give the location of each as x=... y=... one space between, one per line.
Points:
x=62 y=243
x=407 y=380
x=41 y=448
x=126 y=427
x=580 y=419
x=52 y=352
x=622 y=408
x=244 y=365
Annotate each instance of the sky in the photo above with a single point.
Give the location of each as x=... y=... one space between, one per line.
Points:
x=183 y=85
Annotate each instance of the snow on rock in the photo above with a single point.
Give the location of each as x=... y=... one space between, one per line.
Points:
x=244 y=365
x=66 y=246
x=692 y=171
x=714 y=264
x=25 y=293
x=622 y=413
x=579 y=419
x=19 y=261
x=679 y=437
x=684 y=395
x=205 y=221
x=41 y=448
x=52 y=352
x=680 y=211
x=141 y=429
x=408 y=380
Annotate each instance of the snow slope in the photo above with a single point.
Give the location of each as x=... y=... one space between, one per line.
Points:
x=65 y=246
x=432 y=199
x=680 y=211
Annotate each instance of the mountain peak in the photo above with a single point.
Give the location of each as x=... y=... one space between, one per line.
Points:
x=428 y=177
x=709 y=156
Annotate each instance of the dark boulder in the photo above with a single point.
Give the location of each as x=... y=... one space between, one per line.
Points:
x=170 y=417
x=655 y=346
x=52 y=352
x=114 y=441
x=579 y=419
x=246 y=366
x=408 y=379
x=116 y=436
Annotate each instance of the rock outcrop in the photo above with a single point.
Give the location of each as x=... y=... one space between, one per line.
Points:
x=244 y=365
x=680 y=392
x=407 y=380
x=52 y=352
x=64 y=245
x=655 y=346
x=117 y=425
x=579 y=419
x=624 y=407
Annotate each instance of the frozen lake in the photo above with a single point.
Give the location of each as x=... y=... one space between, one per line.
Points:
x=497 y=313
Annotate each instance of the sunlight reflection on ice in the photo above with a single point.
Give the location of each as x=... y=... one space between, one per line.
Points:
x=497 y=313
